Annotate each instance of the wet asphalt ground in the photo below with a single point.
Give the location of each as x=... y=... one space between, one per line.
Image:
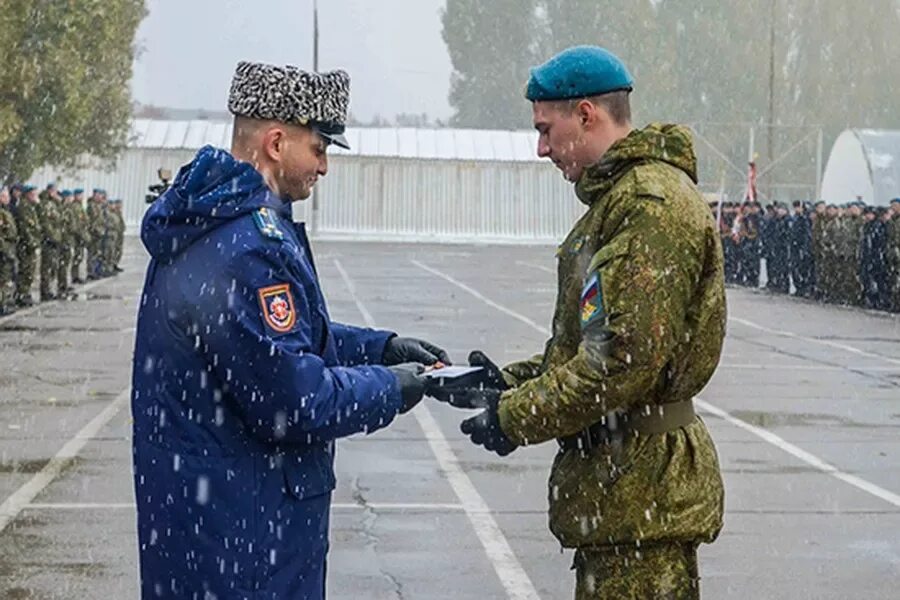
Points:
x=804 y=409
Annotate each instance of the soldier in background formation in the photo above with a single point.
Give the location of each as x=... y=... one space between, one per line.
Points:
x=54 y=227
x=838 y=254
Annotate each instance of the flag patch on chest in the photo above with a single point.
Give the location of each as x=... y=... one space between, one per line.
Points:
x=277 y=306
x=591 y=300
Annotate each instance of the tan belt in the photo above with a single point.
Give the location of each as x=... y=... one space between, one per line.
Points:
x=644 y=420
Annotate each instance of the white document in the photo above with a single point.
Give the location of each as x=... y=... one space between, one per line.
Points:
x=451 y=372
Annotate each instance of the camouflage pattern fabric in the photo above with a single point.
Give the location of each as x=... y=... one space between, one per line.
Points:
x=97 y=234
x=654 y=572
x=80 y=236
x=67 y=228
x=29 y=226
x=892 y=257
x=9 y=236
x=51 y=242
x=118 y=244
x=639 y=321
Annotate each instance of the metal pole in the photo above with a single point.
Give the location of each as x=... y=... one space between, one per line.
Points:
x=819 y=166
x=771 y=148
x=314 y=217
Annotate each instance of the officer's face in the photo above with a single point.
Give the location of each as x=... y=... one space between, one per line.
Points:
x=304 y=158
x=561 y=139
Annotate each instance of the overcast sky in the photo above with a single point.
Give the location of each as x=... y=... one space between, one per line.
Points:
x=392 y=49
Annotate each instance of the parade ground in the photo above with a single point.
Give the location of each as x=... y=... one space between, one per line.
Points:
x=804 y=410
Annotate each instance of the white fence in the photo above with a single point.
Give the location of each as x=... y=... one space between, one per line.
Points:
x=387 y=198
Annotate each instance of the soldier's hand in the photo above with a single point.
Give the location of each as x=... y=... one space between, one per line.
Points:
x=471 y=391
x=484 y=429
x=411 y=381
x=402 y=349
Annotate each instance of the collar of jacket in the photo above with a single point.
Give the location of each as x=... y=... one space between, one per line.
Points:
x=657 y=142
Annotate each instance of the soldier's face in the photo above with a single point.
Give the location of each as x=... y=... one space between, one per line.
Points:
x=561 y=139
x=4 y=197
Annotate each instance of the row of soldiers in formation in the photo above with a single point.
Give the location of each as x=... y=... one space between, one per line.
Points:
x=55 y=230
x=840 y=254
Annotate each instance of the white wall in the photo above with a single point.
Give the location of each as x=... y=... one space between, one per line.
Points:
x=388 y=198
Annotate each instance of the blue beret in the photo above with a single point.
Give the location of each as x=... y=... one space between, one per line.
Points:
x=578 y=72
x=895 y=201
x=66 y=193
x=28 y=188
x=98 y=191
x=77 y=191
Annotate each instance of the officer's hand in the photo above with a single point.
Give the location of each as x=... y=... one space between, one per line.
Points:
x=484 y=429
x=401 y=349
x=411 y=383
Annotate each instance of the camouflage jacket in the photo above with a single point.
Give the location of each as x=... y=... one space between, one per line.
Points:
x=28 y=222
x=639 y=321
x=96 y=221
x=51 y=218
x=9 y=234
x=78 y=224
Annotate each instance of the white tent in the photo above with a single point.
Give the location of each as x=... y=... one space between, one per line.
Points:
x=864 y=164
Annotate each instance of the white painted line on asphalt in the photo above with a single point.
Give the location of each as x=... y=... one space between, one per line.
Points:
x=13 y=505
x=24 y=312
x=367 y=317
x=755 y=366
x=536 y=266
x=512 y=576
x=765 y=435
x=398 y=506
x=484 y=299
x=79 y=505
x=829 y=343
x=803 y=455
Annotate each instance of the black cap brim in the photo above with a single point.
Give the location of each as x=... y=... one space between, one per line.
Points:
x=331 y=133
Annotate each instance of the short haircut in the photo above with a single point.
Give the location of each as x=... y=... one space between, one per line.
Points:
x=617 y=104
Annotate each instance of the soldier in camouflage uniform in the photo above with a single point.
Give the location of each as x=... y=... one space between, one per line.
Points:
x=67 y=245
x=893 y=256
x=96 y=234
x=637 y=333
x=29 y=228
x=9 y=236
x=51 y=240
x=118 y=236
x=80 y=233
x=845 y=269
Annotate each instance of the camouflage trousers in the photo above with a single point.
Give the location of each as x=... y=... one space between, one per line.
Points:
x=7 y=275
x=77 y=259
x=49 y=267
x=64 y=262
x=25 y=277
x=653 y=572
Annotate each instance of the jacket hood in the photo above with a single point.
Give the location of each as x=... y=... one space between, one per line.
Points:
x=212 y=190
x=666 y=143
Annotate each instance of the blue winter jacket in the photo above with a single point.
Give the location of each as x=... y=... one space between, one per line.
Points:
x=241 y=383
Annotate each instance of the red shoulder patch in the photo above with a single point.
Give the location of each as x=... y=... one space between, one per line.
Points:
x=277 y=306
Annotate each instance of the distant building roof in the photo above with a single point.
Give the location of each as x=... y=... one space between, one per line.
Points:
x=388 y=142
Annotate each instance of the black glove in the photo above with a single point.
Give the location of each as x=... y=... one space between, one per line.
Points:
x=484 y=428
x=400 y=350
x=469 y=391
x=411 y=383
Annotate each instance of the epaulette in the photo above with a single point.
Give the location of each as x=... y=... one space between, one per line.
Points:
x=267 y=222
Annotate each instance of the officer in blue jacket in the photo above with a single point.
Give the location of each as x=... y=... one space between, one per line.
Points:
x=241 y=380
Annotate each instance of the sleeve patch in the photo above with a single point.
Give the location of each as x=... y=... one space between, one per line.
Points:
x=277 y=305
x=591 y=300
